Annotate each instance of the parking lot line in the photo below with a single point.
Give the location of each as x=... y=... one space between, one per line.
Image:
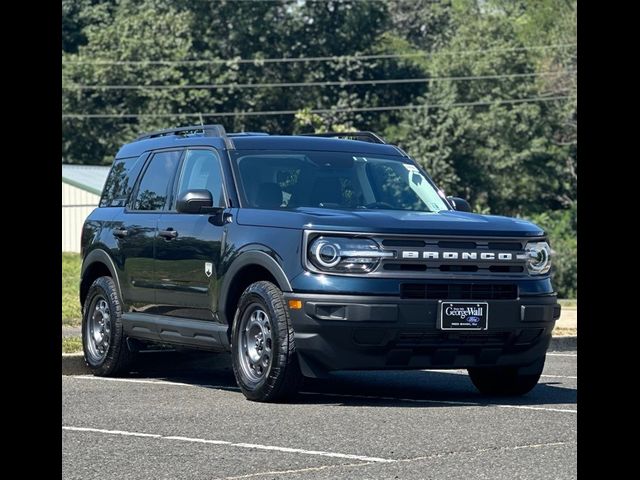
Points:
x=449 y=402
x=301 y=470
x=562 y=354
x=487 y=450
x=343 y=395
x=156 y=382
x=252 y=446
x=527 y=407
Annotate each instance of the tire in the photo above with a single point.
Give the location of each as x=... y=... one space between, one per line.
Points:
x=264 y=357
x=105 y=348
x=506 y=381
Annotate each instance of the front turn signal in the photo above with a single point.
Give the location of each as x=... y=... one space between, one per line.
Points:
x=295 y=304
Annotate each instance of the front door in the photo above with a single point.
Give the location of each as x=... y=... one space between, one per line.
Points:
x=137 y=233
x=189 y=246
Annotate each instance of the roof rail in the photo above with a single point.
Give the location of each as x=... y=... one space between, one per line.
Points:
x=208 y=130
x=362 y=136
x=247 y=134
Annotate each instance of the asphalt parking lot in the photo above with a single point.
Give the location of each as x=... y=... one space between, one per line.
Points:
x=182 y=416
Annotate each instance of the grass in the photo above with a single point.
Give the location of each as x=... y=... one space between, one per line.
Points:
x=71 y=345
x=71 y=314
x=568 y=302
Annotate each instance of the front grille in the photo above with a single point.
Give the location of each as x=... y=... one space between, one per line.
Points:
x=459 y=291
x=446 y=258
x=433 y=257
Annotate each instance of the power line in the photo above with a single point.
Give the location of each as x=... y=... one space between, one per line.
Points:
x=319 y=110
x=259 y=61
x=340 y=83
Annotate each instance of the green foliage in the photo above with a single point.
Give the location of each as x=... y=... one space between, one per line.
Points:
x=71 y=312
x=423 y=23
x=71 y=345
x=501 y=157
x=156 y=30
x=307 y=122
x=561 y=226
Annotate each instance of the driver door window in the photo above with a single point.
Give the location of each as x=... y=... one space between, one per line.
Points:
x=201 y=170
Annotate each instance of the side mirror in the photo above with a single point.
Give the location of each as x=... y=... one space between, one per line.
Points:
x=195 y=201
x=460 y=204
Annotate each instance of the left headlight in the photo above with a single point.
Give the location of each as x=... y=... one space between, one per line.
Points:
x=345 y=255
x=538 y=258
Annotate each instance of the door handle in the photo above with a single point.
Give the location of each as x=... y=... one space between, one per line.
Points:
x=120 y=232
x=168 y=234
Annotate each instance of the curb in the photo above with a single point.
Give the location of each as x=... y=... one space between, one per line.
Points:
x=73 y=363
x=564 y=343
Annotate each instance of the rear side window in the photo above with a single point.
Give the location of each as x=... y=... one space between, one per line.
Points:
x=120 y=182
x=154 y=187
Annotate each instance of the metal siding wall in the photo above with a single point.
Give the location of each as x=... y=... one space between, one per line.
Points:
x=77 y=204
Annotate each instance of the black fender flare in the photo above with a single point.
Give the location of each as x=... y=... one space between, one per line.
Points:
x=100 y=256
x=255 y=257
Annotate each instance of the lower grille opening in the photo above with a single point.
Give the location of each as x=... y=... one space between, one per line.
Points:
x=405 y=267
x=455 y=244
x=506 y=269
x=504 y=246
x=459 y=291
x=403 y=243
x=458 y=268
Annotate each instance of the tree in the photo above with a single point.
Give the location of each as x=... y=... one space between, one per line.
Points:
x=501 y=155
x=227 y=30
x=424 y=24
x=149 y=30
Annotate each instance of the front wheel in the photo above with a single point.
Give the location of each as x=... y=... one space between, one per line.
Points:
x=507 y=381
x=103 y=340
x=264 y=359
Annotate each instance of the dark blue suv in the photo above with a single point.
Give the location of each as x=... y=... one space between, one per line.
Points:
x=304 y=255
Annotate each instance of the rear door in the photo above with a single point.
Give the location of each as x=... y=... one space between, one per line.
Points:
x=189 y=246
x=137 y=232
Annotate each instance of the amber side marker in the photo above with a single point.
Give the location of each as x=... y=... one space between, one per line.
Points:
x=295 y=304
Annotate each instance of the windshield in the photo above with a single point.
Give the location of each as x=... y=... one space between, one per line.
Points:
x=336 y=180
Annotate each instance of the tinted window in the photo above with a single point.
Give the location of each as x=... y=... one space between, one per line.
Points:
x=120 y=181
x=338 y=180
x=154 y=186
x=201 y=170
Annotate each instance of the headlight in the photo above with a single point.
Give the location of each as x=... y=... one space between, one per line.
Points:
x=345 y=255
x=538 y=258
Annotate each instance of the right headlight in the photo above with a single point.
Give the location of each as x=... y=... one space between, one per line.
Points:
x=345 y=255
x=538 y=258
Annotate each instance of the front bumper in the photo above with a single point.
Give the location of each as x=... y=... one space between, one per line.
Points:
x=353 y=332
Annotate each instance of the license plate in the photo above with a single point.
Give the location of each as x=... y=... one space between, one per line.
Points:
x=464 y=316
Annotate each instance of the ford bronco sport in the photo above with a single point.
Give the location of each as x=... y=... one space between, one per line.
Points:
x=307 y=254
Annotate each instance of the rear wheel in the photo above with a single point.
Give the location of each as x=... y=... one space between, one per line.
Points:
x=264 y=359
x=103 y=341
x=506 y=380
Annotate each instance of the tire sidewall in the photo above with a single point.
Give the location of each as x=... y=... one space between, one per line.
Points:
x=105 y=287
x=257 y=293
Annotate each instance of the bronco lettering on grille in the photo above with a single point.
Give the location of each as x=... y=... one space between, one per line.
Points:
x=428 y=255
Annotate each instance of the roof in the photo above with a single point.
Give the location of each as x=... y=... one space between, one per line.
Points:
x=87 y=177
x=301 y=142
x=260 y=142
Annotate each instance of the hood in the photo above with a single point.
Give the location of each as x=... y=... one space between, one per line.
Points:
x=446 y=222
